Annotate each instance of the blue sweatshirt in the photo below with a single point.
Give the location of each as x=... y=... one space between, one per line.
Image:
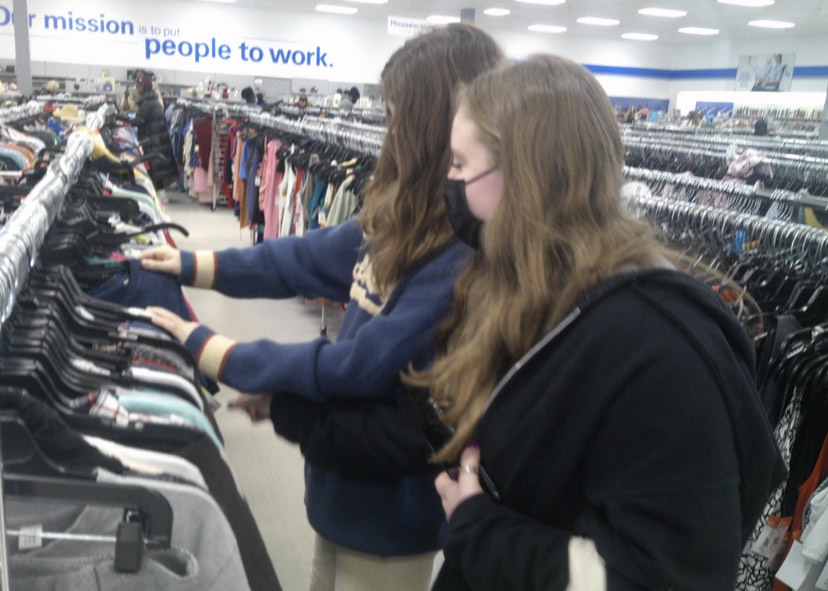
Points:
x=380 y=335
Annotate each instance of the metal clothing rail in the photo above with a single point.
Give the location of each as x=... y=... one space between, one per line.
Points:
x=791 y=170
x=29 y=109
x=358 y=136
x=24 y=232
x=787 y=145
x=746 y=193
x=708 y=131
x=810 y=242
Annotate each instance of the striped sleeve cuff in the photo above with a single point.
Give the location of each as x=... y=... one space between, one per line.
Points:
x=587 y=571
x=204 y=269
x=210 y=351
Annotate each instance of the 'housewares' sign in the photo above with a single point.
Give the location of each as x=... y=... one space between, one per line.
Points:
x=406 y=27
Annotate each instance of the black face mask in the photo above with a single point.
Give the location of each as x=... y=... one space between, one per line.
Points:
x=466 y=227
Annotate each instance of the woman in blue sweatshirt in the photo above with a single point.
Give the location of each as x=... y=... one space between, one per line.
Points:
x=395 y=266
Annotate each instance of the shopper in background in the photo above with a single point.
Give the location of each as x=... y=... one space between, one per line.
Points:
x=302 y=101
x=248 y=95
x=129 y=104
x=349 y=100
x=151 y=128
x=607 y=424
x=395 y=266
x=50 y=87
x=760 y=127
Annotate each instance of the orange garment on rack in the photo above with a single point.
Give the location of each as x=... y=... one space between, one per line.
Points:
x=805 y=491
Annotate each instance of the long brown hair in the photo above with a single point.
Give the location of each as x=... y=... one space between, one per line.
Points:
x=558 y=228
x=404 y=216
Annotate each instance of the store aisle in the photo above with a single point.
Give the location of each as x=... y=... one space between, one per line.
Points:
x=268 y=468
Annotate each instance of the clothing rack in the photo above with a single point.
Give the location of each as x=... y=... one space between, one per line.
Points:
x=359 y=137
x=24 y=233
x=741 y=197
x=363 y=137
x=29 y=109
x=765 y=144
x=26 y=229
x=811 y=243
x=790 y=171
x=704 y=131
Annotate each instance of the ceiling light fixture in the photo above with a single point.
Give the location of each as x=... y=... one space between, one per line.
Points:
x=544 y=2
x=663 y=12
x=335 y=9
x=768 y=24
x=698 y=31
x=547 y=29
x=496 y=11
x=639 y=36
x=750 y=3
x=598 y=21
x=442 y=19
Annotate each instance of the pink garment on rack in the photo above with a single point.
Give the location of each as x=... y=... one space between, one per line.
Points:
x=200 y=181
x=269 y=193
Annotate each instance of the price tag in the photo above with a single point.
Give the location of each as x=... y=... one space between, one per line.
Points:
x=30 y=538
x=773 y=538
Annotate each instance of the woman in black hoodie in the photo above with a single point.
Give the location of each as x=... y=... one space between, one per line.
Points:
x=607 y=425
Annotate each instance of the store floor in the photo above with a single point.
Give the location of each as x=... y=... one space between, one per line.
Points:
x=268 y=468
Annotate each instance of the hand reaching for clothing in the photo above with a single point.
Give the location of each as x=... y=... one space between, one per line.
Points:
x=163 y=259
x=257 y=406
x=179 y=328
x=452 y=489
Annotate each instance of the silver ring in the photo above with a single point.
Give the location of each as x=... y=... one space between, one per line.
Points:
x=468 y=469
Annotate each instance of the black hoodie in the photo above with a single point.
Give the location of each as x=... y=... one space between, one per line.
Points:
x=634 y=425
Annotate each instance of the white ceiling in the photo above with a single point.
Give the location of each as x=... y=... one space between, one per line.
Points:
x=810 y=16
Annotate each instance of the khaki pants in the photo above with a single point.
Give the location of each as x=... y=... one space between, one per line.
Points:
x=340 y=569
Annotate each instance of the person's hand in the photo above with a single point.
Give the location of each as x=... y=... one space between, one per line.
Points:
x=179 y=328
x=257 y=406
x=164 y=259
x=454 y=491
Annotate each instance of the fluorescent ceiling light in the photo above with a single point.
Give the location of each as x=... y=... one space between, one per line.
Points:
x=544 y=2
x=639 y=36
x=751 y=3
x=335 y=9
x=442 y=19
x=497 y=11
x=220 y=1
x=698 y=31
x=369 y=1
x=663 y=12
x=598 y=21
x=772 y=24
x=547 y=29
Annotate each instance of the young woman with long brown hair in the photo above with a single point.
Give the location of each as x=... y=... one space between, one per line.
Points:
x=395 y=266
x=604 y=400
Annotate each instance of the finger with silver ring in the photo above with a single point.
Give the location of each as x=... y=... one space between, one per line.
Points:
x=468 y=469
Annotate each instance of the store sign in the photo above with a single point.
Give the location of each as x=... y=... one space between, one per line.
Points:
x=406 y=27
x=160 y=37
x=766 y=72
